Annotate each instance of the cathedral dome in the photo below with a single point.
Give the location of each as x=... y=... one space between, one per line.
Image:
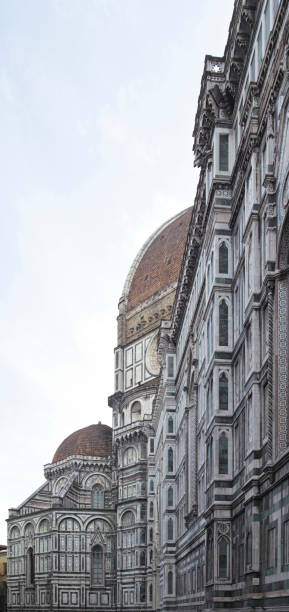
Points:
x=158 y=263
x=95 y=440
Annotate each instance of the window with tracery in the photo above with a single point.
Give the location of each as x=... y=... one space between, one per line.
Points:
x=97 y=497
x=97 y=576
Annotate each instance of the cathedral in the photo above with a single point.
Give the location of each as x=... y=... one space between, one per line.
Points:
x=183 y=504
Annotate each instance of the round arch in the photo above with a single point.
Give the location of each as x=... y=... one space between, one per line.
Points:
x=72 y=518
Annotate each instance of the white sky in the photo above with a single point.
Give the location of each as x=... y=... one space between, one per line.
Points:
x=97 y=104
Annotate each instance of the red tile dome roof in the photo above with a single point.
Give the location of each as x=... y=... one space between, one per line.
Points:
x=95 y=440
x=159 y=262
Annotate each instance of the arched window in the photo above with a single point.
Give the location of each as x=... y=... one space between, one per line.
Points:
x=143 y=488
x=129 y=456
x=170 y=529
x=44 y=526
x=97 y=565
x=152 y=486
x=223 y=454
x=223 y=392
x=170 y=583
x=143 y=536
x=136 y=411
x=30 y=566
x=14 y=533
x=170 y=496
x=98 y=524
x=127 y=519
x=151 y=534
x=151 y=556
x=223 y=259
x=151 y=509
x=223 y=558
x=151 y=592
x=69 y=524
x=97 y=497
x=223 y=324
x=29 y=530
x=142 y=558
x=170 y=460
x=170 y=424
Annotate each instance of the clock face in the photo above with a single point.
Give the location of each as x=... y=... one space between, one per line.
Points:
x=151 y=358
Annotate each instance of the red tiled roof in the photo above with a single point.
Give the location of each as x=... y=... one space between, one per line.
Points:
x=160 y=265
x=95 y=440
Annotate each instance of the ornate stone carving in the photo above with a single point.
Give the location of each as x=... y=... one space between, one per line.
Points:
x=223 y=528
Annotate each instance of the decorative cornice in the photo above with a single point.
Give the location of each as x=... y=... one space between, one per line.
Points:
x=76 y=463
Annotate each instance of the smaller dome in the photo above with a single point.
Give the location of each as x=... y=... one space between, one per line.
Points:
x=95 y=441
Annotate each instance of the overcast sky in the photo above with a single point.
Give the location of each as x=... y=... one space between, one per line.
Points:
x=97 y=104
